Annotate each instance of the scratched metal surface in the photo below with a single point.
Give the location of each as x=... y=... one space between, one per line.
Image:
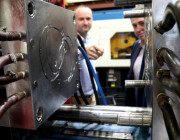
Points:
x=169 y=40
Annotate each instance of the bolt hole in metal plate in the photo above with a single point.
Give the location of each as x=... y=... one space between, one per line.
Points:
x=31 y=8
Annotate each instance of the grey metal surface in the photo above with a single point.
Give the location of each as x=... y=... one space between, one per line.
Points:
x=107 y=108
x=169 y=40
x=147 y=75
x=124 y=116
x=94 y=131
x=137 y=83
x=98 y=134
x=130 y=2
x=51 y=59
x=133 y=14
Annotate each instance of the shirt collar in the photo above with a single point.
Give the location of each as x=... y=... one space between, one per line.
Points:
x=141 y=44
x=85 y=39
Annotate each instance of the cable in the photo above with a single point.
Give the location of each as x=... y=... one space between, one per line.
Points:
x=80 y=87
x=91 y=76
x=11 y=77
x=10 y=58
x=77 y=99
x=82 y=94
x=5 y=59
x=11 y=35
x=11 y=100
x=94 y=74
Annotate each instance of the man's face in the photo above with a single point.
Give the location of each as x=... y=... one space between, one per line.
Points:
x=138 y=25
x=83 y=20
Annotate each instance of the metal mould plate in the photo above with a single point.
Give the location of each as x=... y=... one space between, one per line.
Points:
x=52 y=52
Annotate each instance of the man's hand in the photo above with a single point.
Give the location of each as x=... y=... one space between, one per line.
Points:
x=94 y=52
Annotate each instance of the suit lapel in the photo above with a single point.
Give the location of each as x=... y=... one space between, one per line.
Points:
x=135 y=54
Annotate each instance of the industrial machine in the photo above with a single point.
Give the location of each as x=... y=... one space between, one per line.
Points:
x=39 y=51
x=161 y=80
x=40 y=72
x=165 y=38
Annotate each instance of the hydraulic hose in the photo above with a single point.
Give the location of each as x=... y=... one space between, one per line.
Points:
x=169 y=116
x=10 y=101
x=11 y=36
x=171 y=16
x=77 y=99
x=169 y=57
x=80 y=87
x=5 y=59
x=82 y=94
x=91 y=76
x=94 y=74
x=171 y=85
x=10 y=58
x=11 y=77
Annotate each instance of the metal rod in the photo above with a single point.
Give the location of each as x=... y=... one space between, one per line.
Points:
x=172 y=61
x=106 y=108
x=134 y=13
x=137 y=83
x=126 y=116
x=169 y=117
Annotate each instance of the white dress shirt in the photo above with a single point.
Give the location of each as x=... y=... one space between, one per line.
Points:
x=138 y=62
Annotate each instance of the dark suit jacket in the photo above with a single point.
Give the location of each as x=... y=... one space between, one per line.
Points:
x=130 y=99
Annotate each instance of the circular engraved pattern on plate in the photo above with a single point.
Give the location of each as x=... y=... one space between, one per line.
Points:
x=56 y=55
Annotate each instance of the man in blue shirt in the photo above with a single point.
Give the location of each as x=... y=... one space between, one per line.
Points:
x=83 y=23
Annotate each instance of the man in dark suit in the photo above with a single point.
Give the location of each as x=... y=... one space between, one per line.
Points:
x=132 y=97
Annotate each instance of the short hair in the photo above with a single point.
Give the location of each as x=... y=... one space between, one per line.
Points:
x=82 y=6
x=139 y=7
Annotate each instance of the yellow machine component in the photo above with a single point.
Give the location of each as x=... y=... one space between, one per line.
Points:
x=121 y=44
